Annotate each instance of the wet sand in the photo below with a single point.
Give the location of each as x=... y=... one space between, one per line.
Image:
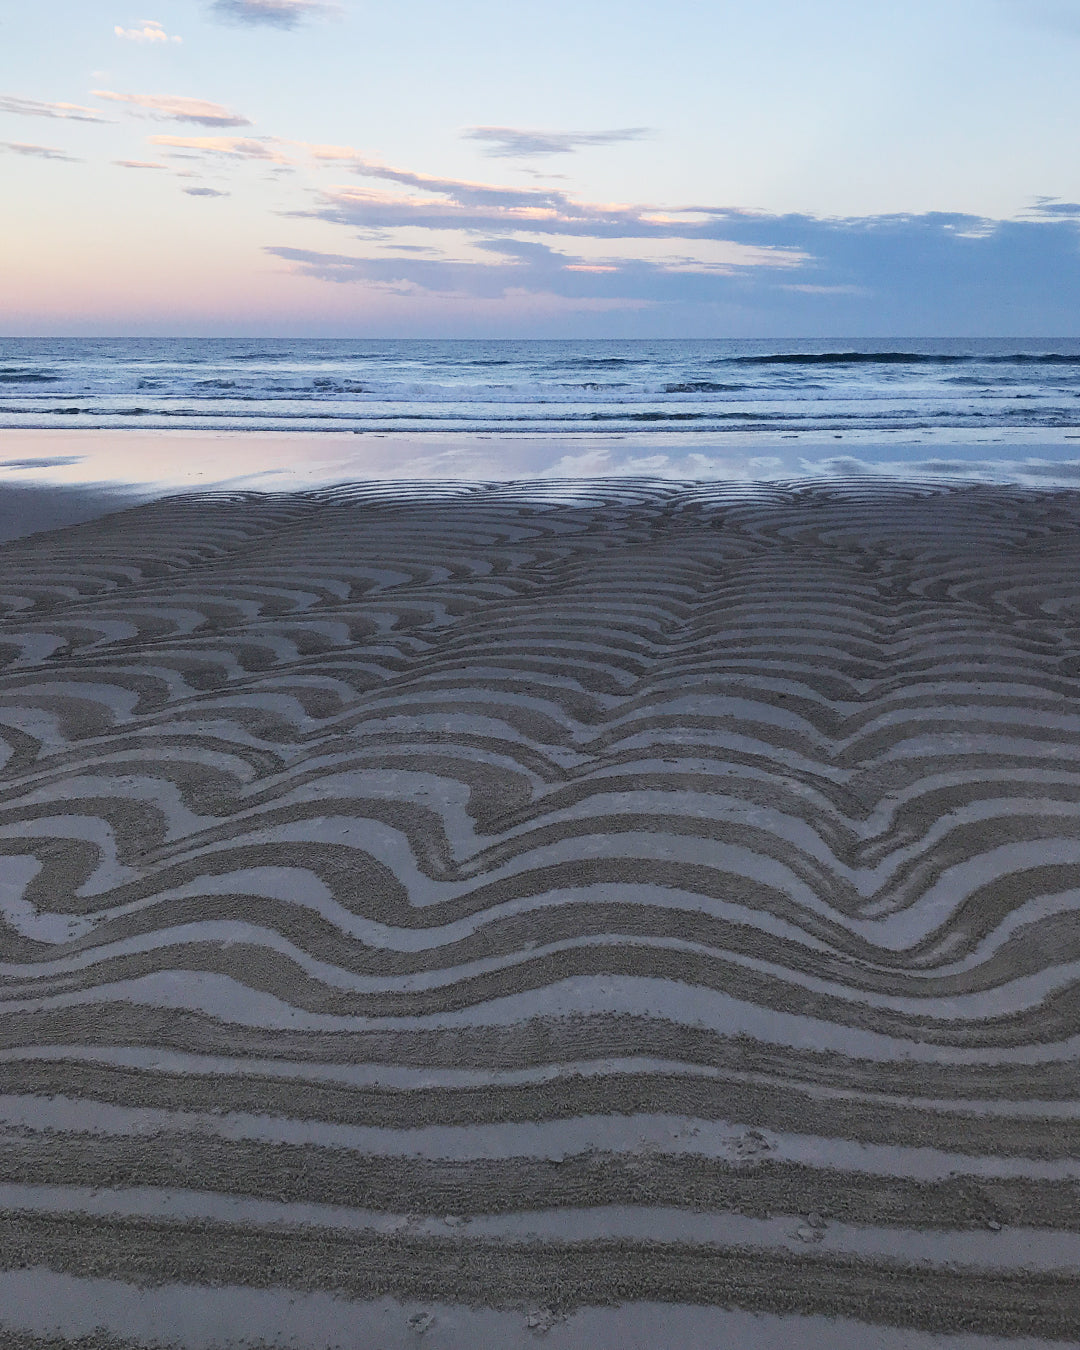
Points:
x=30 y=508
x=543 y=913
x=150 y=463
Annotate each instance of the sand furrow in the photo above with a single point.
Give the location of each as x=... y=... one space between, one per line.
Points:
x=676 y=885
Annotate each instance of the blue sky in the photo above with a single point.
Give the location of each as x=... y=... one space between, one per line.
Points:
x=810 y=168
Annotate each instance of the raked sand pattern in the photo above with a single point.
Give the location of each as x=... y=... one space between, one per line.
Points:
x=541 y=898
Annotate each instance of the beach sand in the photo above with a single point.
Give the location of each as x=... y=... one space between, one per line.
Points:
x=597 y=914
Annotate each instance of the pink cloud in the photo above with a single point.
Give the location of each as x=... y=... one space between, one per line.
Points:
x=150 y=32
x=37 y=151
x=172 y=109
x=237 y=147
x=32 y=107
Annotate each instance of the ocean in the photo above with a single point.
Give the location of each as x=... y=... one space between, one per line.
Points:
x=545 y=387
x=178 y=414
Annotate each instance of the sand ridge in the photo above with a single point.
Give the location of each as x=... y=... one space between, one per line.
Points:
x=550 y=895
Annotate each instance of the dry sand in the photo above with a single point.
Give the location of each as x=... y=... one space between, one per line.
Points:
x=597 y=914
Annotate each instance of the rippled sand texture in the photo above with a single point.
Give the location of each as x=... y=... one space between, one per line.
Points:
x=544 y=897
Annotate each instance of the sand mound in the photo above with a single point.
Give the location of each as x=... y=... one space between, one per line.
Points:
x=544 y=896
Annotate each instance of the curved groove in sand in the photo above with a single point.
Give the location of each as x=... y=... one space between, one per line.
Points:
x=664 y=851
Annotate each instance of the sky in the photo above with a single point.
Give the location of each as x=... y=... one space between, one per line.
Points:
x=540 y=168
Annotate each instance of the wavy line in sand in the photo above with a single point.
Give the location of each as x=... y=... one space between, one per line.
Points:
x=574 y=826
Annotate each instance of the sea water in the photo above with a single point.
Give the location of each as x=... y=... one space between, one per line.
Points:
x=983 y=408
x=541 y=386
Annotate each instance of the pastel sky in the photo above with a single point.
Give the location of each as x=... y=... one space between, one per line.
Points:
x=517 y=168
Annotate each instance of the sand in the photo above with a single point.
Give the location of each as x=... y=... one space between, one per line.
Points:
x=585 y=913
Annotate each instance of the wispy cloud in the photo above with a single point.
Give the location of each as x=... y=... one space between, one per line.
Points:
x=150 y=32
x=236 y=147
x=849 y=259
x=522 y=267
x=170 y=109
x=139 y=164
x=914 y=272
x=38 y=151
x=452 y=203
x=32 y=107
x=519 y=143
x=900 y=272
x=462 y=192
x=1054 y=207
x=205 y=192
x=274 y=13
